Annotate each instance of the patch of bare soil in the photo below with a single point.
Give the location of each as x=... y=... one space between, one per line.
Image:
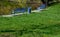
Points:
x=6 y=34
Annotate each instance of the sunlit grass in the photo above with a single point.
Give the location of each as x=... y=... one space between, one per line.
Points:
x=44 y=24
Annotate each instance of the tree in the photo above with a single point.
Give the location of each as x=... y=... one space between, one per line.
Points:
x=22 y=3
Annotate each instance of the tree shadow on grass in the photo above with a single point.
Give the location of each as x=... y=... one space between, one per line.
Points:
x=51 y=30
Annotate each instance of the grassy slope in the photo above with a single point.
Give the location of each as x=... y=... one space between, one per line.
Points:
x=44 y=24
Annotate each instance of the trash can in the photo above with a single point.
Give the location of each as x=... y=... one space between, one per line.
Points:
x=29 y=10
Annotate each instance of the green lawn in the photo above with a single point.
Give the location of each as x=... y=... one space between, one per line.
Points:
x=43 y=24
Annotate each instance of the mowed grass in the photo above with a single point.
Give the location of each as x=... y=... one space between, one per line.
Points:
x=43 y=24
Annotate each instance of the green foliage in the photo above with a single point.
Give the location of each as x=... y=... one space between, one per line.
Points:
x=22 y=3
x=6 y=7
